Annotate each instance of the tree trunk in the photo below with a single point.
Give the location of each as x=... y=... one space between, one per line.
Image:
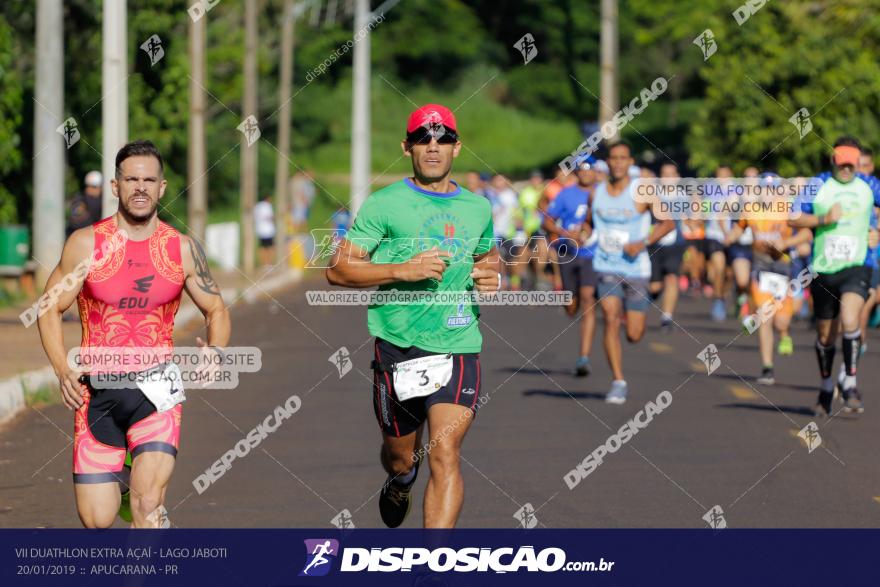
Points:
x=48 y=227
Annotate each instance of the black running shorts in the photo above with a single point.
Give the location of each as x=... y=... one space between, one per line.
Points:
x=398 y=418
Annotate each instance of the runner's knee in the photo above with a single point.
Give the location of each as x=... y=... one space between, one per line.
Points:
x=612 y=318
x=635 y=335
x=143 y=504
x=444 y=459
x=97 y=518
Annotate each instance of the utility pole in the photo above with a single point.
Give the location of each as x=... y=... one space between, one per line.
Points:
x=48 y=211
x=197 y=176
x=249 y=152
x=609 y=102
x=360 y=120
x=114 y=92
x=282 y=168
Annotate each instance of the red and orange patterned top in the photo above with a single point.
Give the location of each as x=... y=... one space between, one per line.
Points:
x=132 y=289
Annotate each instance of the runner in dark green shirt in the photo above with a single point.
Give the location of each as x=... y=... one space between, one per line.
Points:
x=426 y=236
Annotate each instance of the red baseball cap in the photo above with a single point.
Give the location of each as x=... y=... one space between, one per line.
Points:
x=431 y=114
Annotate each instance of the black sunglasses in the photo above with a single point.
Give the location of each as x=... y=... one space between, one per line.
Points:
x=423 y=136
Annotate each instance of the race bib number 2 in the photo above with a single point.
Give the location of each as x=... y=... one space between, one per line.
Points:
x=422 y=376
x=163 y=386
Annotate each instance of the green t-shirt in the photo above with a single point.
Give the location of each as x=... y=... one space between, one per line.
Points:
x=401 y=220
x=845 y=243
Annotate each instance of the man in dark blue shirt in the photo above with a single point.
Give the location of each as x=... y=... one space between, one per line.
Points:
x=565 y=221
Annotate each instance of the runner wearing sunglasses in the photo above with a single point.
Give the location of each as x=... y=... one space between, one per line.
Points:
x=423 y=234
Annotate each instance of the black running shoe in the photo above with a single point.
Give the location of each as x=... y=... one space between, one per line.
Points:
x=767 y=377
x=823 y=406
x=395 y=500
x=852 y=401
x=582 y=367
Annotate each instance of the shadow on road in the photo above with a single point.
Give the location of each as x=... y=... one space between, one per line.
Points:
x=565 y=395
x=535 y=371
x=752 y=379
x=799 y=410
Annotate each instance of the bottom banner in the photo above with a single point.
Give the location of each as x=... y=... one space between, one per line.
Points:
x=277 y=558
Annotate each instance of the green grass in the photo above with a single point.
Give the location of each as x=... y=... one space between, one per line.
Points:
x=10 y=295
x=495 y=137
x=41 y=396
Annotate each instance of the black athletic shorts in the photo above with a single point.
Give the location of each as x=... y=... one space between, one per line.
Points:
x=665 y=260
x=577 y=272
x=738 y=251
x=828 y=288
x=398 y=418
x=710 y=246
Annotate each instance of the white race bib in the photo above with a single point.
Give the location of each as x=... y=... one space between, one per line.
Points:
x=612 y=241
x=163 y=386
x=840 y=247
x=422 y=376
x=773 y=284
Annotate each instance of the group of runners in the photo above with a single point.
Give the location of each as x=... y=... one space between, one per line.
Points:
x=428 y=233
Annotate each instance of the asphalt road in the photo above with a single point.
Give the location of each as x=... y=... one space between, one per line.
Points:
x=723 y=441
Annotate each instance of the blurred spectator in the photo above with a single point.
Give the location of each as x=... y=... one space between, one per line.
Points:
x=601 y=169
x=302 y=194
x=85 y=207
x=508 y=226
x=473 y=183
x=340 y=221
x=264 y=225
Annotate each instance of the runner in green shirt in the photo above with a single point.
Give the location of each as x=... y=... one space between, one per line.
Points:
x=423 y=235
x=840 y=217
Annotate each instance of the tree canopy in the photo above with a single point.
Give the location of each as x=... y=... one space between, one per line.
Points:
x=732 y=108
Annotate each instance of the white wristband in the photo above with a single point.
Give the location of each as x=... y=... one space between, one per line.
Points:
x=499 y=282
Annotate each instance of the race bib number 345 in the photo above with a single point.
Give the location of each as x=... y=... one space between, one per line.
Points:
x=422 y=376
x=840 y=248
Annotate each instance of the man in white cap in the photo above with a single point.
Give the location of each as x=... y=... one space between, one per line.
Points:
x=85 y=208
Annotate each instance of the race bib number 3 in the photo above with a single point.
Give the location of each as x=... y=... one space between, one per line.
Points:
x=422 y=376
x=612 y=241
x=773 y=284
x=840 y=248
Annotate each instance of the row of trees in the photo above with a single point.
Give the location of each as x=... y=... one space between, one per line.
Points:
x=732 y=108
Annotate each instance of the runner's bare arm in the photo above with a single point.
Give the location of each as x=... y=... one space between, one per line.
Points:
x=487 y=268
x=804 y=220
x=661 y=229
x=731 y=236
x=204 y=291
x=800 y=237
x=351 y=267
x=63 y=285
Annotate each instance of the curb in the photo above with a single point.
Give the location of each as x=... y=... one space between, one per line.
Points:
x=14 y=389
